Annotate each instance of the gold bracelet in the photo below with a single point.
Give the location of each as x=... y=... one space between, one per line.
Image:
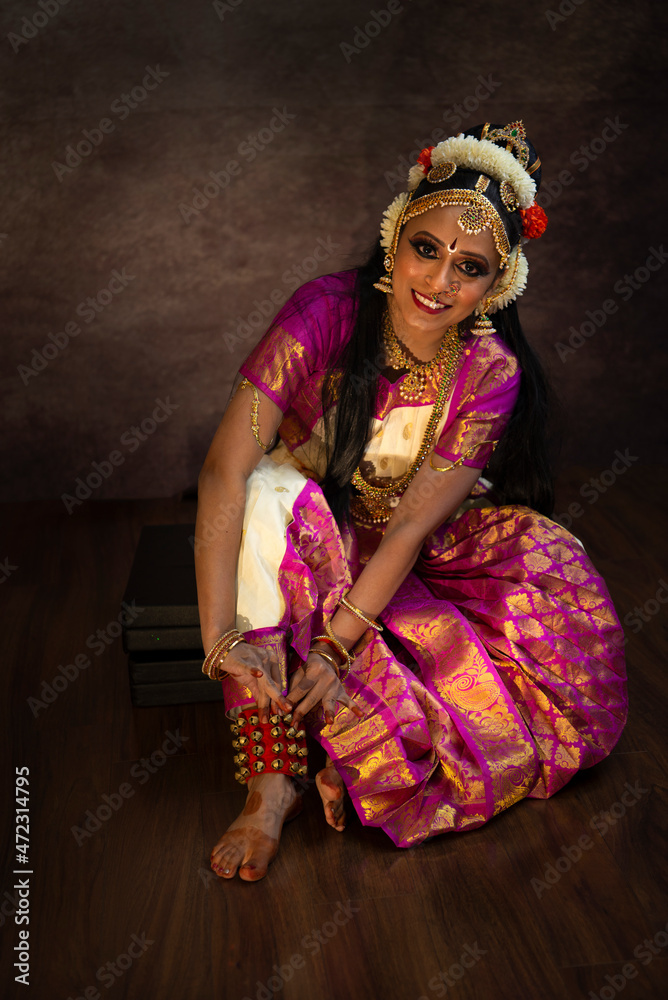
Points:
x=340 y=648
x=330 y=659
x=255 y=426
x=219 y=651
x=354 y=610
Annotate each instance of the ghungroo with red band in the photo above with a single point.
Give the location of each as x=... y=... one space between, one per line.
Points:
x=261 y=747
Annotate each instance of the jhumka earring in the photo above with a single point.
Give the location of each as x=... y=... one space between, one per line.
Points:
x=384 y=284
x=483 y=325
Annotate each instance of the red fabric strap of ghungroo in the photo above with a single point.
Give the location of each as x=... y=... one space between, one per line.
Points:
x=275 y=746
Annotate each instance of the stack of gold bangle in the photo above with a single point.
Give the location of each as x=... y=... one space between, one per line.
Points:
x=218 y=652
x=330 y=639
x=354 y=610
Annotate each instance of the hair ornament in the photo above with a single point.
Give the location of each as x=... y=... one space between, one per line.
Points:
x=510 y=285
x=534 y=221
x=441 y=173
x=508 y=196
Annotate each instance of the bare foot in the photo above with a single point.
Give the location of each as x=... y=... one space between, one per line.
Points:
x=251 y=842
x=332 y=791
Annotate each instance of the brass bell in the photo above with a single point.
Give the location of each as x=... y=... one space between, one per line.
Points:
x=303 y=771
x=258 y=751
x=277 y=764
x=274 y=719
x=294 y=767
x=244 y=772
x=241 y=742
x=301 y=734
x=240 y=778
x=235 y=729
x=292 y=749
x=256 y=735
x=259 y=766
x=302 y=752
x=236 y=744
x=287 y=719
x=254 y=720
x=241 y=722
x=278 y=748
x=241 y=758
x=291 y=732
x=276 y=732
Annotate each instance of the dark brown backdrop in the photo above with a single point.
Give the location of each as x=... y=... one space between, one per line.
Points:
x=315 y=103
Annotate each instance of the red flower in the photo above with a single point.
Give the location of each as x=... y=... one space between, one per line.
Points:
x=534 y=221
x=424 y=159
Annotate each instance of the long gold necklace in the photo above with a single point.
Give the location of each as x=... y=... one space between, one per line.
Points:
x=414 y=383
x=379 y=501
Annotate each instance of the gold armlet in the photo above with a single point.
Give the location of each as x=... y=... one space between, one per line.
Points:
x=460 y=460
x=255 y=425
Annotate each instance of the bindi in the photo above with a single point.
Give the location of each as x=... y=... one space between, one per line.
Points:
x=453 y=246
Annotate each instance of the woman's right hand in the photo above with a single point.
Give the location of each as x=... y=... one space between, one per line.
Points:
x=257 y=669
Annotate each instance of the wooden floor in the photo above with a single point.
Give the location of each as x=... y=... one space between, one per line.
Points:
x=550 y=900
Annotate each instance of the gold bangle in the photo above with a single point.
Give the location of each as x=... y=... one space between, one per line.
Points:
x=340 y=648
x=219 y=651
x=354 y=610
x=330 y=659
x=255 y=426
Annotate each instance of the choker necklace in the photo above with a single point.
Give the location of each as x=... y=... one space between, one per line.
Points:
x=414 y=383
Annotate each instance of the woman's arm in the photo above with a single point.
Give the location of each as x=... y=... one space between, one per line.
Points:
x=233 y=455
x=428 y=501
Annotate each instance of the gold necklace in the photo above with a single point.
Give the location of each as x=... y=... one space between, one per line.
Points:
x=414 y=383
x=376 y=501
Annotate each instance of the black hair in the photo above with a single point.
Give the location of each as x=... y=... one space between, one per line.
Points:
x=519 y=468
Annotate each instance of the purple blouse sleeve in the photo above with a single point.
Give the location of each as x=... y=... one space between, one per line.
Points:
x=485 y=405
x=303 y=339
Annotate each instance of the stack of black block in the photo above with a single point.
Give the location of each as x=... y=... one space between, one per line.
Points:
x=163 y=641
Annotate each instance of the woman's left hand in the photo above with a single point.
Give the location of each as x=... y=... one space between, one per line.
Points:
x=315 y=684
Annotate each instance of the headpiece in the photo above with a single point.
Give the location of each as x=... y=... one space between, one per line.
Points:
x=508 y=166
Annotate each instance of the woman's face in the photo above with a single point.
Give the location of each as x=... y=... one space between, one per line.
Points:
x=435 y=256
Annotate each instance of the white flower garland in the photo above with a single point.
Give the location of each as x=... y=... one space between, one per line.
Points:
x=390 y=219
x=512 y=283
x=482 y=155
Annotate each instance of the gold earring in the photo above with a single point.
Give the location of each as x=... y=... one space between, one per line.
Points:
x=384 y=284
x=483 y=325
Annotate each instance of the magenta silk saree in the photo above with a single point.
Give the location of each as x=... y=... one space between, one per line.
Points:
x=500 y=672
